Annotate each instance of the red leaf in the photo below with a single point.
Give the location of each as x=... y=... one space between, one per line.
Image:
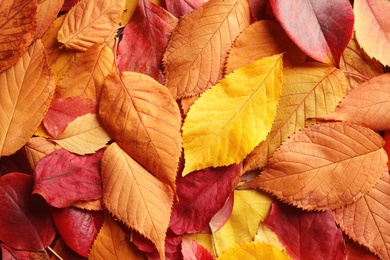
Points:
x=181 y=7
x=62 y=111
x=220 y=218
x=195 y=209
x=68 y=4
x=25 y=222
x=306 y=234
x=78 y=228
x=145 y=39
x=258 y=8
x=65 y=252
x=12 y=254
x=322 y=29
x=63 y=178
x=16 y=162
x=193 y=251
x=357 y=252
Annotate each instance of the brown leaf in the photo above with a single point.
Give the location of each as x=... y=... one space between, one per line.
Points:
x=144 y=119
x=196 y=52
x=26 y=92
x=325 y=166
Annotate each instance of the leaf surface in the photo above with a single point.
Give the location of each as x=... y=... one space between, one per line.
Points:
x=306 y=234
x=144 y=119
x=63 y=178
x=136 y=197
x=201 y=42
x=321 y=29
x=194 y=251
x=16 y=162
x=47 y=12
x=372 y=28
x=181 y=7
x=90 y=22
x=309 y=90
x=367 y=220
x=84 y=135
x=145 y=39
x=325 y=166
x=366 y=105
x=231 y=118
x=37 y=148
x=26 y=90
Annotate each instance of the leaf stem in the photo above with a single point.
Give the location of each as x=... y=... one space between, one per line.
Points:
x=354 y=73
x=55 y=253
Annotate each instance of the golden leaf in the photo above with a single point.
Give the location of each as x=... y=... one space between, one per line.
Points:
x=254 y=251
x=37 y=148
x=267 y=236
x=196 y=52
x=26 y=90
x=232 y=117
x=135 y=196
x=325 y=166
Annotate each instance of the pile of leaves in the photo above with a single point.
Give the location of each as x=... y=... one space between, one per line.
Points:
x=195 y=129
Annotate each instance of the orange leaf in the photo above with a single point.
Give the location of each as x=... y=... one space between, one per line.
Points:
x=46 y=14
x=196 y=52
x=26 y=91
x=144 y=119
x=367 y=220
x=90 y=22
x=18 y=24
x=325 y=166
x=135 y=196
x=37 y=148
x=367 y=105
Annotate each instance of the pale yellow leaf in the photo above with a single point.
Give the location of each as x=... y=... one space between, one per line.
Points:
x=254 y=251
x=37 y=148
x=267 y=236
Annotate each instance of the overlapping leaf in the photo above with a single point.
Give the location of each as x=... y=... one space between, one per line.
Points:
x=37 y=148
x=325 y=166
x=46 y=14
x=144 y=119
x=196 y=52
x=26 y=90
x=231 y=118
x=192 y=250
x=181 y=7
x=136 y=197
x=321 y=29
x=309 y=90
x=254 y=250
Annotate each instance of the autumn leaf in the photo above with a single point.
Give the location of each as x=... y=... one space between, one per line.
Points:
x=9 y=253
x=259 y=9
x=306 y=234
x=84 y=135
x=372 y=28
x=136 y=197
x=303 y=170
x=63 y=178
x=366 y=105
x=37 y=148
x=231 y=118
x=367 y=220
x=144 y=119
x=145 y=39
x=16 y=162
x=192 y=250
x=220 y=218
x=47 y=11
x=309 y=90
x=267 y=236
x=181 y=7
x=90 y=22
x=65 y=252
x=330 y=25
x=201 y=42
x=26 y=92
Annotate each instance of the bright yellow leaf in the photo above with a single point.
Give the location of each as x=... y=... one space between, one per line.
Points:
x=254 y=251
x=234 y=116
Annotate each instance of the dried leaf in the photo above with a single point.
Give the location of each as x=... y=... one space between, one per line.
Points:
x=193 y=251
x=325 y=166
x=37 y=148
x=47 y=12
x=231 y=118
x=254 y=250
x=201 y=42
x=221 y=217
x=144 y=119
x=26 y=90
x=90 y=22
x=267 y=236
x=309 y=90
x=83 y=136
x=135 y=196
x=330 y=25
x=367 y=220
x=372 y=28
x=181 y=7
x=8 y=253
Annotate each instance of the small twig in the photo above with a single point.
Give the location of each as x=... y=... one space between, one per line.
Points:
x=353 y=73
x=55 y=253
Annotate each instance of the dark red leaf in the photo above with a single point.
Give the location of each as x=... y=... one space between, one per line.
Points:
x=25 y=221
x=16 y=162
x=65 y=252
x=63 y=178
x=220 y=218
x=13 y=254
x=357 y=252
x=196 y=208
x=78 y=228
x=258 y=8
x=62 y=111
x=306 y=234
x=145 y=39
x=386 y=137
x=68 y=4
x=181 y=7
x=192 y=250
x=322 y=29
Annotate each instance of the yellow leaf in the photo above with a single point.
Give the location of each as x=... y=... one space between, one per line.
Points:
x=37 y=148
x=90 y=22
x=196 y=52
x=26 y=90
x=308 y=91
x=111 y=243
x=84 y=135
x=267 y=236
x=203 y=239
x=235 y=115
x=325 y=166
x=85 y=77
x=129 y=10
x=144 y=119
x=136 y=197
x=254 y=251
